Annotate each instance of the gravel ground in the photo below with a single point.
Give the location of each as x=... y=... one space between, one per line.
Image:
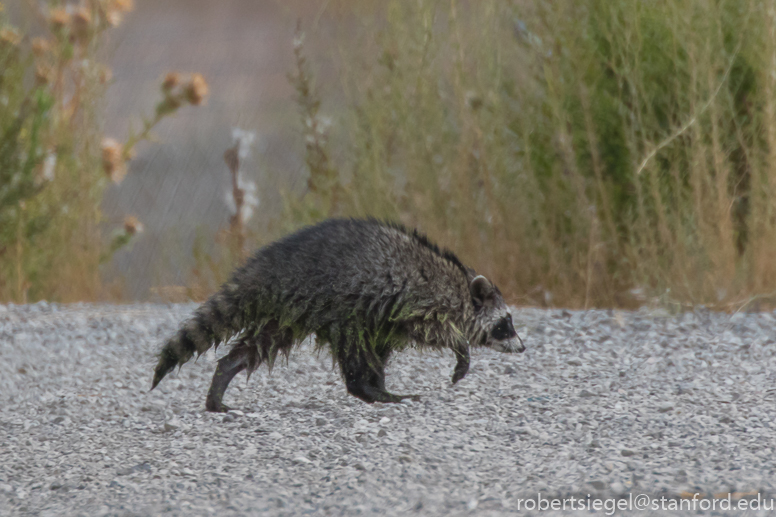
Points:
x=610 y=404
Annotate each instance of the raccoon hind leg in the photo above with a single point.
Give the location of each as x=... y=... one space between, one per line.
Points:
x=243 y=354
x=247 y=353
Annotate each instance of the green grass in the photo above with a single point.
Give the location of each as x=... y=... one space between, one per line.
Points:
x=581 y=154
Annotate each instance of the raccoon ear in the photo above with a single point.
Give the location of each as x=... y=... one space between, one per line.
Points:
x=481 y=290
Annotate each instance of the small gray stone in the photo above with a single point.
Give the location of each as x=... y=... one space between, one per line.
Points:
x=171 y=425
x=618 y=488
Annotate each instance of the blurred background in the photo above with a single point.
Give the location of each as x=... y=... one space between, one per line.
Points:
x=582 y=154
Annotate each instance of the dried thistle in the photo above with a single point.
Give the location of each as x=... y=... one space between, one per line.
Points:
x=115 y=9
x=171 y=80
x=113 y=18
x=81 y=23
x=10 y=36
x=40 y=46
x=132 y=225
x=196 y=90
x=59 y=18
x=175 y=95
x=44 y=74
x=113 y=162
x=242 y=198
x=105 y=75
x=124 y=6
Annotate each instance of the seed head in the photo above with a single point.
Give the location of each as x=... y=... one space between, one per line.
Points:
x=124 y=6
x=59 y=18
x=132 y=225
x=43 y=74
x=171 y=80
x=113 y=18
x=9 y=36
x=113 y=160
x=105 y=75
x=40 y=46
x=81 y=22
x=115 y=9
x=197 y=90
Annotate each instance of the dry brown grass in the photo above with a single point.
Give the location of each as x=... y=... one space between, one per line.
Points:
x=582 y=154
x=52 y=241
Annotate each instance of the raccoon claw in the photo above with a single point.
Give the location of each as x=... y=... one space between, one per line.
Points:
x=460 y=371
x=414 y=398
x=216 y=407
x=462 y=365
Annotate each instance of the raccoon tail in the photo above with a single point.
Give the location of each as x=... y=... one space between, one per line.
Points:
x=214 y=322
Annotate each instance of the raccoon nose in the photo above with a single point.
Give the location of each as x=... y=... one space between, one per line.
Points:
x=511 y=346
x=519 y=346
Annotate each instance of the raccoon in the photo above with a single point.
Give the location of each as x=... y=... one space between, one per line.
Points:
x=364 y=288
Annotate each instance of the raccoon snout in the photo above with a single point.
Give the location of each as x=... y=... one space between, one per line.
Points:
x=511 y=346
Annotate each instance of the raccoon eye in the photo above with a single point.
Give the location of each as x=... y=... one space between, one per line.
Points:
x=504 y=329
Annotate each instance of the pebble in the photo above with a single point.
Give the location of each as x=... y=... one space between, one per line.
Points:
x=613 y=402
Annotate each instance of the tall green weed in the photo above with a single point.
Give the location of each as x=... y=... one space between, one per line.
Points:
x=593 y=153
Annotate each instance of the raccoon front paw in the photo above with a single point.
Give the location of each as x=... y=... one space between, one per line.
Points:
x=216 y=406
x=460 y=373
x=462 y=365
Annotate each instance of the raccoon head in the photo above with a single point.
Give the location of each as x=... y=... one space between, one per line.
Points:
x=492 y=318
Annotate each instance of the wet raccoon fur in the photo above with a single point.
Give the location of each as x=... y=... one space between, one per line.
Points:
x=365 y=288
